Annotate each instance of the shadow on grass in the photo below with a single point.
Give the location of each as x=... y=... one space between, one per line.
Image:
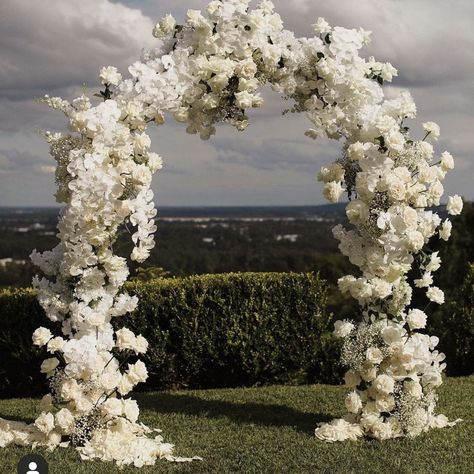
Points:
x=242 y=413
x=12 y=416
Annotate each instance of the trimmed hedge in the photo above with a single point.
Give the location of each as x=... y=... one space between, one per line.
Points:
x=455 y=328
x=204 y=331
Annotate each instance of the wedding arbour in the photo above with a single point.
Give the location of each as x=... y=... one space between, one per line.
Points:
x=204 y=72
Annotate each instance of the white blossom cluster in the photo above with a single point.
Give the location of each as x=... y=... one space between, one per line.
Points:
x=206 y=71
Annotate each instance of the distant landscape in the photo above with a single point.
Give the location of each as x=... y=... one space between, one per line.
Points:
x=206 y=240
x=194 y=240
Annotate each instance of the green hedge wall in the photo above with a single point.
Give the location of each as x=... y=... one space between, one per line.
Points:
x=455 y=328
x=204 y=331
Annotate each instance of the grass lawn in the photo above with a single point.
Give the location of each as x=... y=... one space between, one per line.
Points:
x=270 y=430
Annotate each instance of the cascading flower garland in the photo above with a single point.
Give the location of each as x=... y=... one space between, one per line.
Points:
x=204 y=72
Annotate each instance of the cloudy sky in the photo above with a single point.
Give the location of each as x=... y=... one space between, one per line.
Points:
x=56 y=47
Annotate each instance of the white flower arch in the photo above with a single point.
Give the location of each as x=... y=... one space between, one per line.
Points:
x=204 y=72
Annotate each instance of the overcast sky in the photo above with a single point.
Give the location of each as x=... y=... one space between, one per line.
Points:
x=56 y=47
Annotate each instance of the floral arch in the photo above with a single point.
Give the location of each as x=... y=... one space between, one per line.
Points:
x=204 y=72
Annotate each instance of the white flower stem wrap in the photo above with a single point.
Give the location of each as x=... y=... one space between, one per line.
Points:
x=203 y=72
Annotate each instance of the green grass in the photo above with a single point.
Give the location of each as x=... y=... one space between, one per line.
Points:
x=270 y=430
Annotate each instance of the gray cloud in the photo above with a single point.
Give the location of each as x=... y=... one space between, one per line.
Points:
x=13 y=162
x=56 y=46
x=52 y=44
x=272 y=153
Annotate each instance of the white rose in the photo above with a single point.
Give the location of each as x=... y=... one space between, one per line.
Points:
x=56 y=345
x=49 y=365
x=374 y=355
x=413 y=388
x=65 y=420
x=432 y=378
x=332 y=191
x=414 y=240
x=370 y=418
x=447 y=161
x=455 y=205
x=435 y=192
x=244 y=100
x=385 y=404
x=126 y=385
x=83 y=405
x=112 y=407
x=427 y=174
x=70 y=390
x=382 y=431
x=246 y=69
x=321 y=27
x=345 y=283
x=416 y=319
x=353 y=403
x=395 y=140
x=249 y=85
x=381 y=288
x=388 y=71
x=357 y=211
x=361 y=289
x=139 y=254
x=168 y=23
x=41 y=337
x=137 y=372
x=343 y=328
x=110 y=76
x=432 y=129
x=164 y=27
x=445 y=231
x=109 y=381
x=334 y=172
x=272 y=54
x=125 y=339
x=45 y=422
x=351 y=379
x=435 y=294
x=396 y=188
x=142 y=142
x=131 y=410
x=403 y=173
x=356 y=151
x=141 y=345
x=155 y=162
x=384 y=384
x=141 y=174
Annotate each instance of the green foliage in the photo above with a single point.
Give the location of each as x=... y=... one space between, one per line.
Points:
x=20 y=315
x=455 y=328
x=235 y=329
x=203 y=331
x=458 y=252
x=17 y=274
x=149 y=273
